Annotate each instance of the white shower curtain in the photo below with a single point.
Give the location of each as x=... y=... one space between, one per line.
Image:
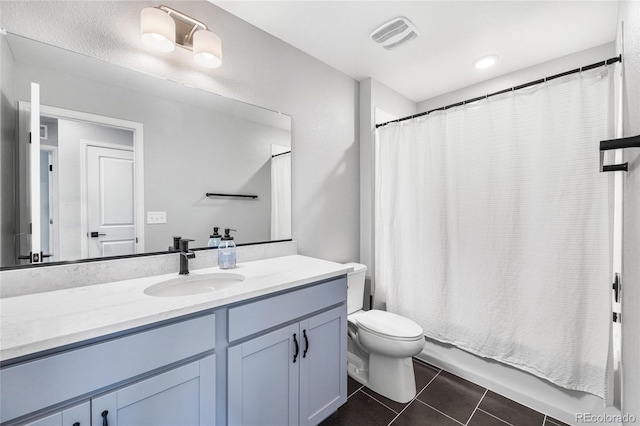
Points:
x=492 y=228
x=281 y=197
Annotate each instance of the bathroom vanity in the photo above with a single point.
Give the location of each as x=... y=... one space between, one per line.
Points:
x=269 y=348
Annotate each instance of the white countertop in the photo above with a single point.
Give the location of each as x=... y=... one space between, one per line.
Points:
x=42 y=321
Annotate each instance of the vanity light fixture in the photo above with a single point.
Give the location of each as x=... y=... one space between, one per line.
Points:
x=162 y=28
x=486 y=61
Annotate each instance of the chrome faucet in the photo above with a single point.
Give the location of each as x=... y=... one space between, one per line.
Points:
x=185 y=255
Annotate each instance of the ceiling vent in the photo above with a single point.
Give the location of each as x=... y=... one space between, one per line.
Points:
x=394 y=33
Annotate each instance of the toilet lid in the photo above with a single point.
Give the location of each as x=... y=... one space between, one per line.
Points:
x=389 y=324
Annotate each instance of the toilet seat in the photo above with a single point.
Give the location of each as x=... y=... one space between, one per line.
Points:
x=389 y=325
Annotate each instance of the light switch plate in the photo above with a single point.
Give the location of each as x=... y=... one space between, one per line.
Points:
x=156 y=217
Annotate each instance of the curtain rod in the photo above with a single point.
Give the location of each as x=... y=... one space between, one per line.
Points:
x=511 y=89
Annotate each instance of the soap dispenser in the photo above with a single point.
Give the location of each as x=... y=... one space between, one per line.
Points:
x=227 y=251
x=214 y=239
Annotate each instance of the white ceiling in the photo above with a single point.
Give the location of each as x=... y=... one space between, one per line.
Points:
x=453 y=34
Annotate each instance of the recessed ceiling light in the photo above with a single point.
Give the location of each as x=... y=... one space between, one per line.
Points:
x=486 y=61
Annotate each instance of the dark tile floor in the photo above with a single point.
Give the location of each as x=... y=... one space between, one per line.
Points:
x=442 y=399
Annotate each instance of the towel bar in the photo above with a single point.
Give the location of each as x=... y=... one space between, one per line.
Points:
x=214 y=194
x=621 y=143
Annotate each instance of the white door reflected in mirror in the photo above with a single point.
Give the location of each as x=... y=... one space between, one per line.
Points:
x=110 y=202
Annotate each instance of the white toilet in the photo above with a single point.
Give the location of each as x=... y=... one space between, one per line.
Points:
x=380 y=344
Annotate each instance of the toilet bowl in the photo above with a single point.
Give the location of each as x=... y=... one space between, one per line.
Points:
x=380 y=345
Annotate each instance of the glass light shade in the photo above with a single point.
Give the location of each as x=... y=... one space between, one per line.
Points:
x=207 y=49
x=157 y=29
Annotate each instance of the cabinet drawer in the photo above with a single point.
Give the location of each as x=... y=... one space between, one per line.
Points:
x=251 y=318
x=54 y=379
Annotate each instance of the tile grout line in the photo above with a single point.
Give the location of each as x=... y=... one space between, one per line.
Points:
x=444 y=414
x=495 y=417
x=415 y=397
x=432 y=367
x=354 y=392
x=380 y=402
x=544 y=420
x=477 y=405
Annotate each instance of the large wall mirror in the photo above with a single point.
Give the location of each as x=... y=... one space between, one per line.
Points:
x=125 y=161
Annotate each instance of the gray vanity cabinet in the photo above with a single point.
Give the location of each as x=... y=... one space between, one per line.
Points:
x=278 y=359
x=182 y=396
x=146 y=374
x=295 y=374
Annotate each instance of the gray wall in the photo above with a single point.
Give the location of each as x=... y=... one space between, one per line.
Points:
x=8 y=118
x=258 y=69
x=630 y=17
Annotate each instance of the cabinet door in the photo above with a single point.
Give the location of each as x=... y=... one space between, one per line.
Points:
x=323 y=367
x=78 y=415
x=263 y=379
x=182 y=396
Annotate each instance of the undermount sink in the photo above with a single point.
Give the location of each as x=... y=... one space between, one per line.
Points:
x=187 y=285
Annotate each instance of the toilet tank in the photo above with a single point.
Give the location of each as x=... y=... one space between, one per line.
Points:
x=355 y=287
